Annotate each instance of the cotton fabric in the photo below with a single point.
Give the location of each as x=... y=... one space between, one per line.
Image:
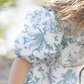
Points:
x=38 y=42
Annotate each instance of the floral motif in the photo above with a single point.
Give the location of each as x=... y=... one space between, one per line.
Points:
x=26 y=28
x=39 y=42
x=68 y=78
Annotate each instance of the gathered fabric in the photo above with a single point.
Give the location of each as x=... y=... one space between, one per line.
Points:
x=65 y=65
x=50 y=50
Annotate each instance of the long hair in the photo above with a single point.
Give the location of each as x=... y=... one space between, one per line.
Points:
x=72 y=10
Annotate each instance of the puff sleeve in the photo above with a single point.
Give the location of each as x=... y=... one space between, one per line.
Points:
x=40 y=36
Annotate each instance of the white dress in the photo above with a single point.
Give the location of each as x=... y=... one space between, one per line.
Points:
x=38 y=43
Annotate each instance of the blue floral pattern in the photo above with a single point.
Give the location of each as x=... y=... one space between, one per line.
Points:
x=69 y=78
x=38 y=42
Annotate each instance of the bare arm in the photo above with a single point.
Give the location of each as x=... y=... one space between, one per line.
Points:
x=19 y=71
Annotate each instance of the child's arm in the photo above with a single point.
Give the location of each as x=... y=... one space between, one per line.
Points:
x=19 y=71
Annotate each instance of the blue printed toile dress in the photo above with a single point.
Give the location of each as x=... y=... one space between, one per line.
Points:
x=38 y=43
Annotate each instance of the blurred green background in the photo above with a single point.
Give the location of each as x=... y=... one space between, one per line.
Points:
x=11 y=13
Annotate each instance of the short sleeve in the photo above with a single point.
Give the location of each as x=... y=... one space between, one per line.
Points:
x=40 y=36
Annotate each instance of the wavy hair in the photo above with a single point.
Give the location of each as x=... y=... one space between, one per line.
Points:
x=72 y=10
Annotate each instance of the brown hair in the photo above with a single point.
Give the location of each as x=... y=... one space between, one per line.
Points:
x=72 y=10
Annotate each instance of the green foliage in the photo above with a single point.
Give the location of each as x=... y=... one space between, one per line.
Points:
x=2 y=32
x=4 y=1
x=7 y=2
